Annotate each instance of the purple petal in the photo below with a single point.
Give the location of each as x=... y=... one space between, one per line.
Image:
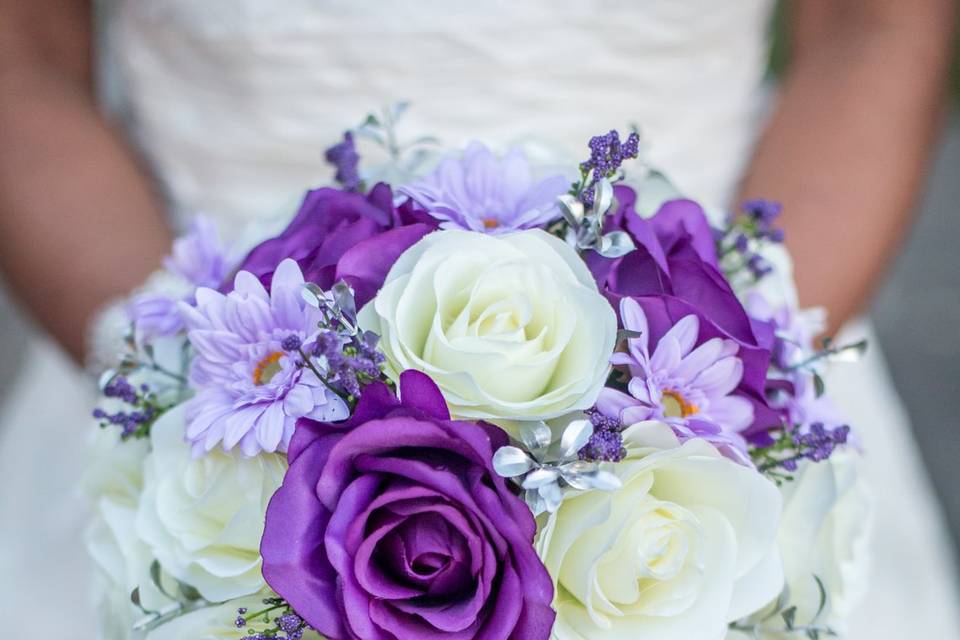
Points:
x=721 y=377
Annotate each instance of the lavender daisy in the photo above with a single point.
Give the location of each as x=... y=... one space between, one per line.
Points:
x=250 y=389
x=198 y=259
x=480 y=192
x=688 y=386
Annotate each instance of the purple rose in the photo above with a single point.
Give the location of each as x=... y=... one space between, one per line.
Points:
x=672 y=274
x=338 y=235
x=393 y=524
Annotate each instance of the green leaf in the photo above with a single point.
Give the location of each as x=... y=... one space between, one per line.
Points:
x=156 y=576
x=789 y=616
x=189 y=593
x=818 y=385
x=823 y=598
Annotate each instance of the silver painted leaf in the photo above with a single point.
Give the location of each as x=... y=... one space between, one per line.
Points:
x=313 y=295
x=848 y=352
x=606 y=481
x=615 y=245
x=511 y=462
x=571 y=209
x=575 y=437
x=536 y=435
x=105 y=378
x=552 y=497
x=603 y=196
x=540 y=477
x=579 y=474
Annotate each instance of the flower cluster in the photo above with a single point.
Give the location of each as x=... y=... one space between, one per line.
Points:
x=607 y=154
x=285 y=624
x=349 y=357
x=144 y=408
x=815 y=443
x=606 y=441
x=344 y=157
x=746 y=234
x=477 y=405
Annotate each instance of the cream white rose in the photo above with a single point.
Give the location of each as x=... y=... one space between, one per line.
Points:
x=825 y=531
x=202 y=518
x=508 y=326
x=684 y=547
x=112 y=483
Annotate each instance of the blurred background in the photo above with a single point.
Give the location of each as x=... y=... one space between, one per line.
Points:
x=917 y=311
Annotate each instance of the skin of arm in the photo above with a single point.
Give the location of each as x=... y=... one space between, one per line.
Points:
x=847 y=146
x=79 y=224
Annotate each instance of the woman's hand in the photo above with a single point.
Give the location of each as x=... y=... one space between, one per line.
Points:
x=847 y=146
x=78 y=222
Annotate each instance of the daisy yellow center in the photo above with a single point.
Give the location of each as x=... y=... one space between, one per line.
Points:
x=490 y=223
x=676 y=406
x=267 y=368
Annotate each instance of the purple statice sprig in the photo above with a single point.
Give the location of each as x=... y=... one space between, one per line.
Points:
x=747 y=231
x=279 y=620
x=345 y=159
x=607 y=154
x=345 y=358
x=344 y=364
x=141 y=403
x=606 y=442
x=791 y=446
x=591 y=198
x=142 y=407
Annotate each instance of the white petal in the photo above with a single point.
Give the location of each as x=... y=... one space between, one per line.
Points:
x=299 y=401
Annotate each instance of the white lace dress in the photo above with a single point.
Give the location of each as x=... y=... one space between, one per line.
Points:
x=232 y=102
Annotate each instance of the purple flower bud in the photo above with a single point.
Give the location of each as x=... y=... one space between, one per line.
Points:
x=291 y=343
x=741 y=243
x=345 y=158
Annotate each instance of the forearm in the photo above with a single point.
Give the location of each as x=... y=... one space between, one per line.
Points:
x=847 y=145
x=78 y=222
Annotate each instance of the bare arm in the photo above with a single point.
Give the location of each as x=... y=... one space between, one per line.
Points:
x=847 y=146
x=78 y=222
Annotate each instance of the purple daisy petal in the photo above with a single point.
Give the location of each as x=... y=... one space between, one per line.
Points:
x=480 y=192
x=250 y=391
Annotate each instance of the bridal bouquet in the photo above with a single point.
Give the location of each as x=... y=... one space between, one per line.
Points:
x=479 y=402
